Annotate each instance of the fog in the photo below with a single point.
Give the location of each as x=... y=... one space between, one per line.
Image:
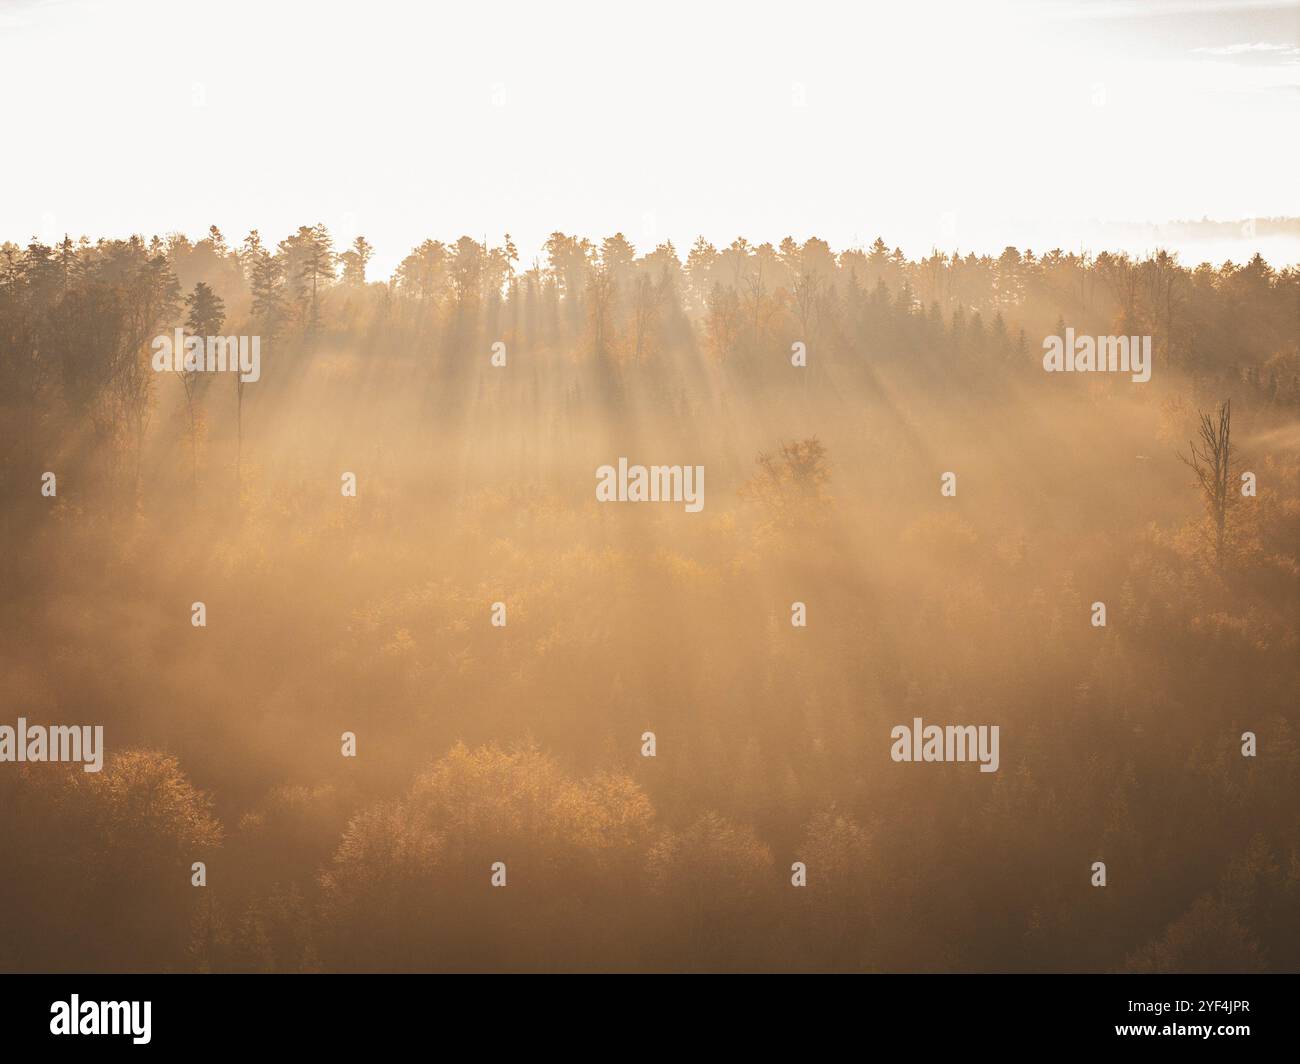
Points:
x=881 y=444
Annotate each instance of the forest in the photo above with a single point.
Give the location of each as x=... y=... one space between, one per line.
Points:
x=471 y=398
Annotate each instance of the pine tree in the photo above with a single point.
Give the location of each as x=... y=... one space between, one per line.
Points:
x=317 y=267
x=206 y=311
x=354 y=262
x=206 y=315
x=265 y=276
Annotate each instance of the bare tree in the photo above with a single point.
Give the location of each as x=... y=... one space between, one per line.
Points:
x=1212 y=461
x=790 y=485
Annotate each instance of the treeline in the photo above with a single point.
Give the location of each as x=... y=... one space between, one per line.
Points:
x=76 y=318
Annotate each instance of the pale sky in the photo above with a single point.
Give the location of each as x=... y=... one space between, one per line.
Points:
x=968 y=125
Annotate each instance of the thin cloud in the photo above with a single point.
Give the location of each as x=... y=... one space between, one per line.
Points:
x=1256 y=48
x=1123 y=9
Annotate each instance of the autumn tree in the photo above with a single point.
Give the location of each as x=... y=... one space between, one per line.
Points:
x=647 y=299
x=127 y=838
x=790 y=484
x=409 y=883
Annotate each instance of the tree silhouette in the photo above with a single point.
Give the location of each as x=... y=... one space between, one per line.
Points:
x=1211 y=458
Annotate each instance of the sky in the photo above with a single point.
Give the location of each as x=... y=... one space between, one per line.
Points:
x=957 y=125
